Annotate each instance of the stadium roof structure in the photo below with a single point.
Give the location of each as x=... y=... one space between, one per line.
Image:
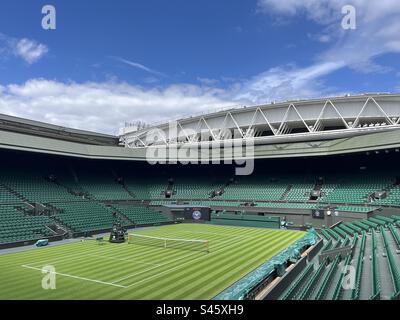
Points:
x=41 y=129
x=286 y=122
x=341 y=125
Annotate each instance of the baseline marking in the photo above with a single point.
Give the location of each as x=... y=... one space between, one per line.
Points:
x=76 y=277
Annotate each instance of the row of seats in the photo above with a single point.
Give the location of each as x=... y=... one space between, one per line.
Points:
x=272 y=205
x=355 y=294
x=322 y=279
x=371 y=225
x=101 y=187
x=84 y=215
x=15 y=226
x=350 y=194
x=338 y=288
x=356 y=189
x=33 y=187
x=264 y=189
x=6 y=196
x=376 y=285
x=76 y=203
x=311 y=284
x=141 y=215
x=189 y=188
x=393 y=266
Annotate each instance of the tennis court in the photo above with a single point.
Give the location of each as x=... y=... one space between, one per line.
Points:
x=87 y=270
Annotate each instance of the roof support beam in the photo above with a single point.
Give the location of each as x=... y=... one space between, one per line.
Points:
x=290 y=107
x=317 y=122
x=378 y=107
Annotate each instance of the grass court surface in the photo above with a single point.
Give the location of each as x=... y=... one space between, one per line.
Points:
x=87 y=270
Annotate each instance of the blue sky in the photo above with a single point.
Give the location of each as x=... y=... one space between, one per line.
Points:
x=113 y=61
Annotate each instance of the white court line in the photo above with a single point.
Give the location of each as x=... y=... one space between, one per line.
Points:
x=69 y=257
x=166 y=271
x=160 y=265
x=166 y=263
x=77 y=256
x=172 y=261
x=163 y=264
x=99 y=256
x=179 y=266
x=113 y=283
x=76 y=277
x=132 y=275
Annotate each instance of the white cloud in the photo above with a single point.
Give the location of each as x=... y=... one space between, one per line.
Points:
x=321 y=37
x=318 y=10
x=288 y=82
x=30 y=50
x=377 y=33
x=139 y=66
x=378 y=27
x=27 y=49
x=327 y=11
x=207 y=81
x=104 y=107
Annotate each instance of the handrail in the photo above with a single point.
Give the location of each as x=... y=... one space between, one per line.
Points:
x=376 y=289
x=307 y=291
x=392 y=265
x=289 y=293
x=339 y=286
x=328 y=277
x=355 y=295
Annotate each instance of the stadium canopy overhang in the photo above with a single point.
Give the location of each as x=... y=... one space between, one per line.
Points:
x=372 y=142
x=319 y=127
x=41 y=129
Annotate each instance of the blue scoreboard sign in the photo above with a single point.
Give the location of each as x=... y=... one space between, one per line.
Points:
x=197 y=214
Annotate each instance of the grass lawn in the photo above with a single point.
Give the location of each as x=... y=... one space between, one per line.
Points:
x=87 y=270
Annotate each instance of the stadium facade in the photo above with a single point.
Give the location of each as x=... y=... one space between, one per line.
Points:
x=326 y=164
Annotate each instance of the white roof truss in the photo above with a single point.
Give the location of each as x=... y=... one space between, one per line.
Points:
x=253 y=120
x=378 y=107
x=328 y=104
x=284 y=120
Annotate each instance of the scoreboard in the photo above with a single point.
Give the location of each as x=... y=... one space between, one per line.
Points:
x=186 y=212
x=197 y=214
x=318 y=213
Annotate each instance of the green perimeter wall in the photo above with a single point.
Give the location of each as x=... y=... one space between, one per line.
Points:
x=246 y=220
